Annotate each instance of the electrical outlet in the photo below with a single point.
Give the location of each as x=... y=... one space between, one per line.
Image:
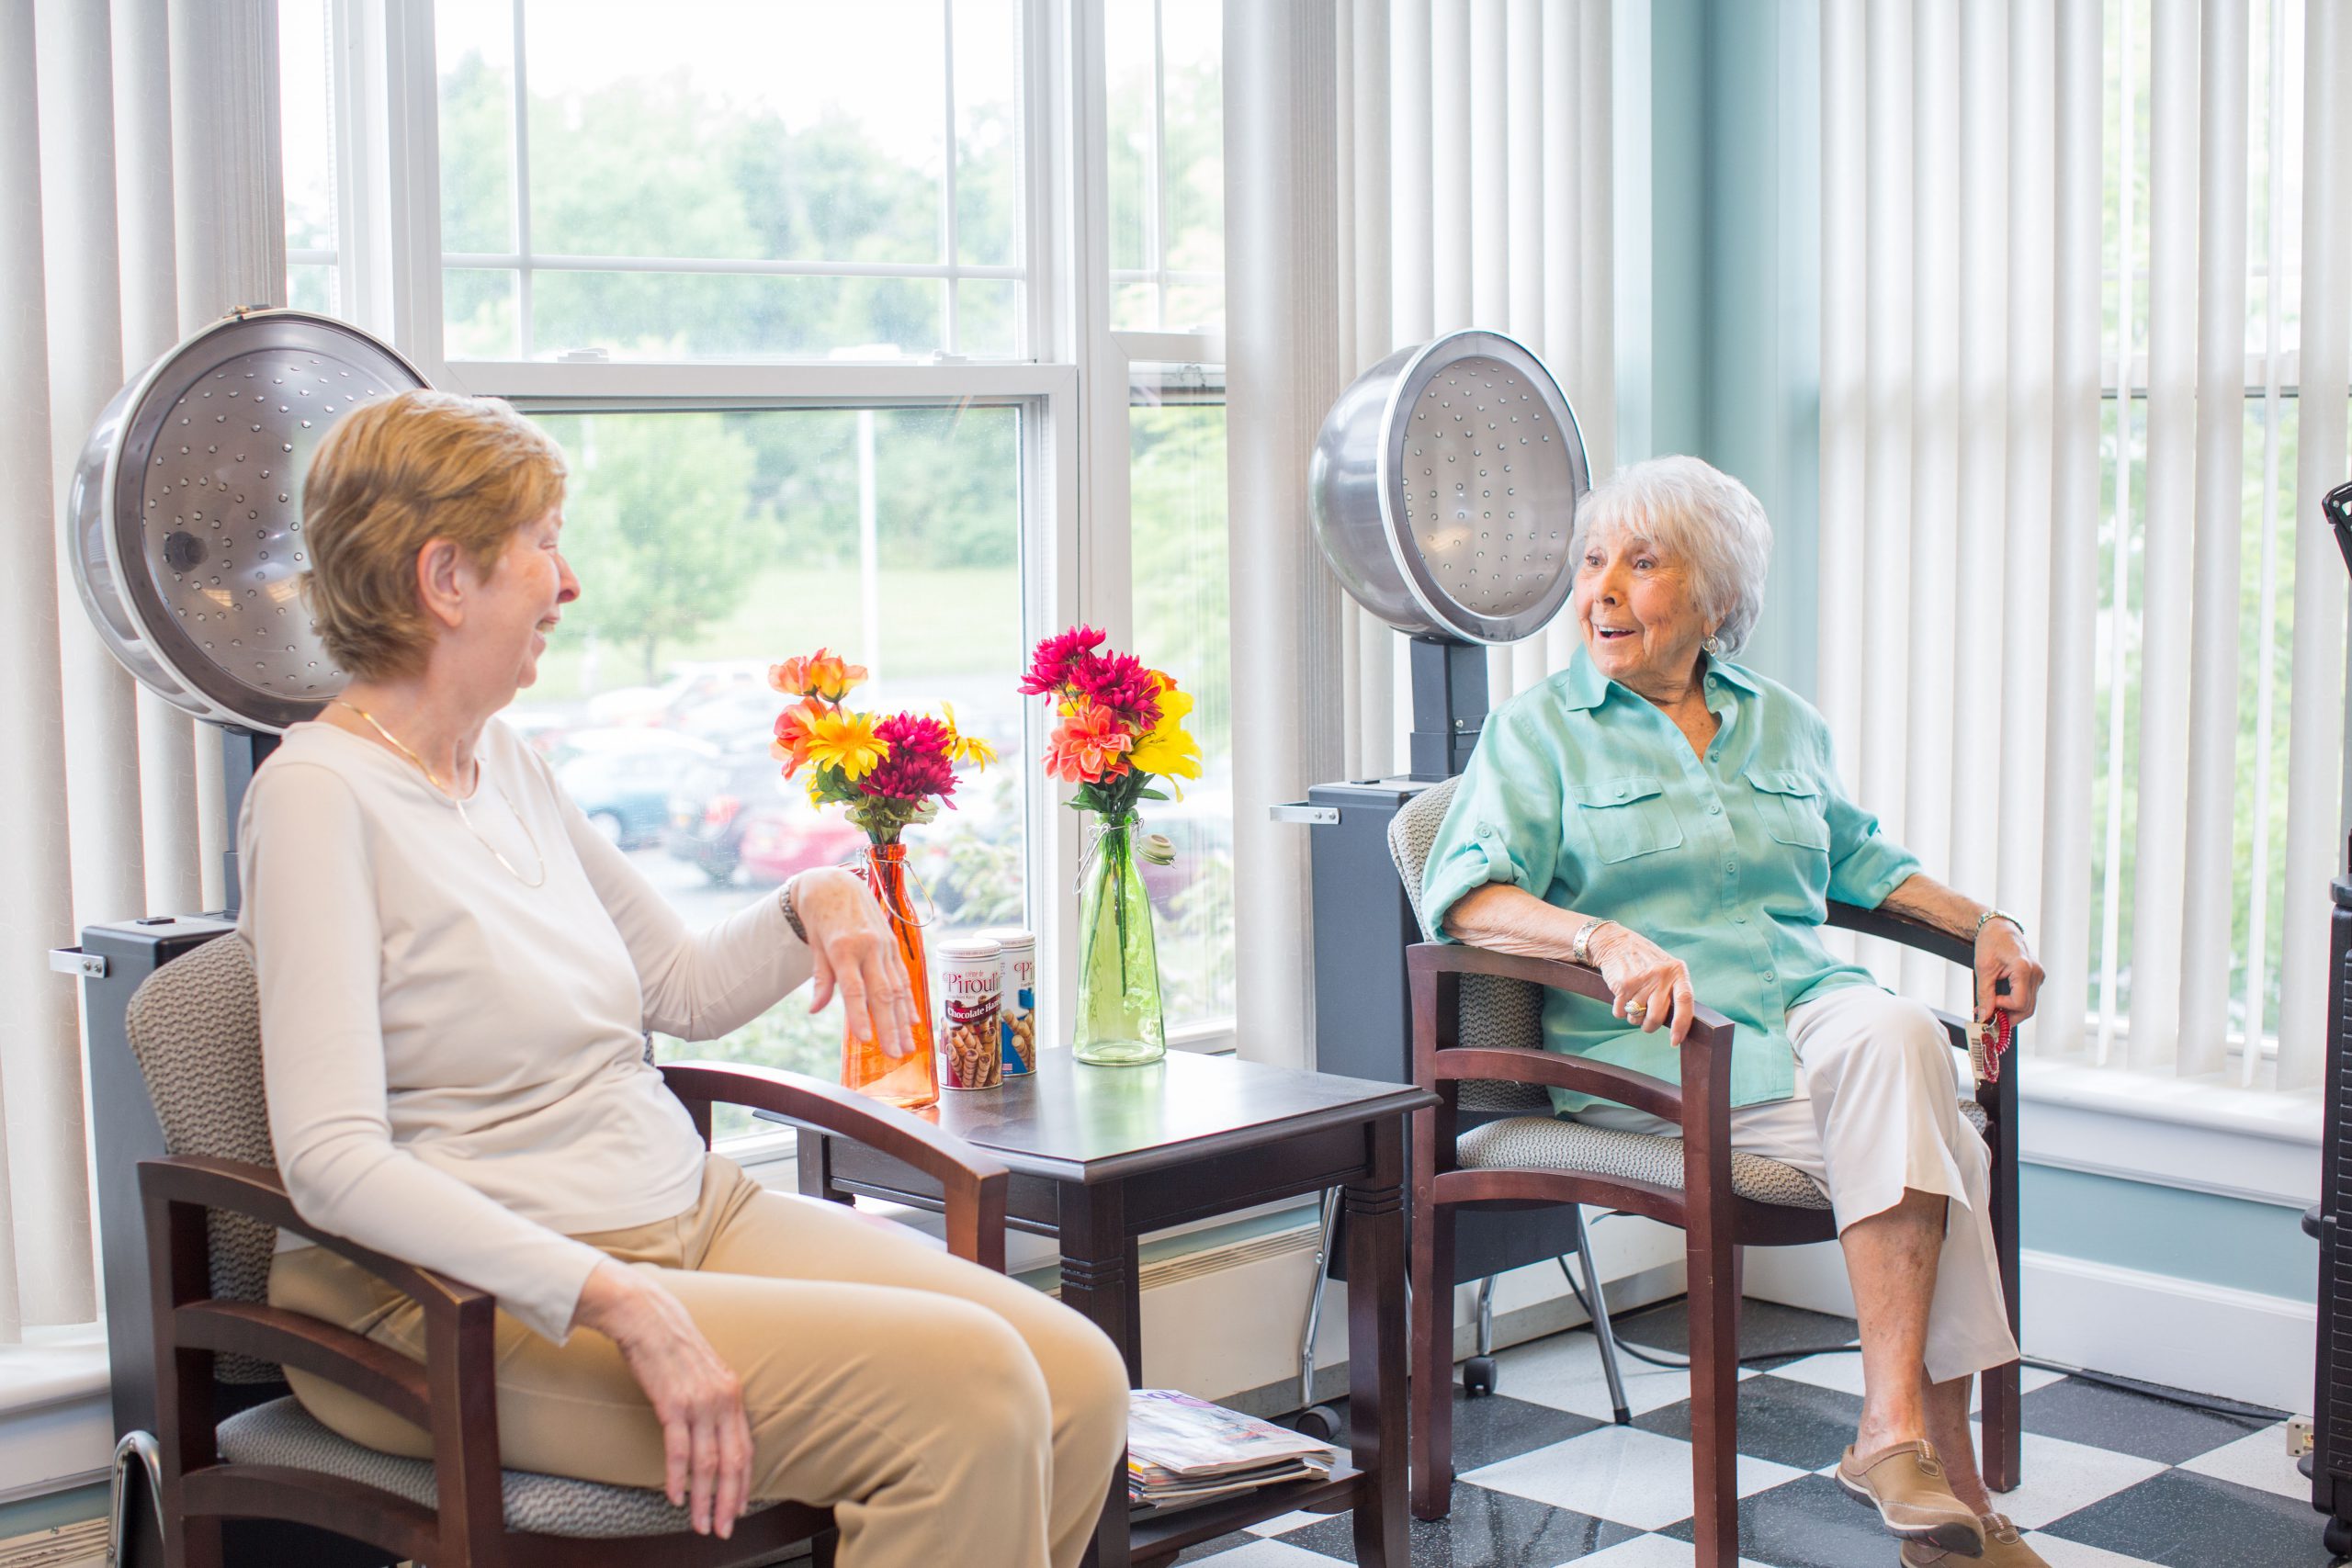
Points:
x=2299 y=1436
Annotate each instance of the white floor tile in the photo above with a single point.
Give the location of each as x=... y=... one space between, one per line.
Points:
x=1620 y=1474
x=2258 y=1459
x=2063 y=1554
x=2061 y=1477
x=1563 y=1371
x=1267 y=1554
x=1285 y=1524
x=1649 y=1552
x=1843 y=1371
x=1840 y=1370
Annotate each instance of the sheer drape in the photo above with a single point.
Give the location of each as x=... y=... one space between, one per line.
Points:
x=2036 y=605
x=106 y=260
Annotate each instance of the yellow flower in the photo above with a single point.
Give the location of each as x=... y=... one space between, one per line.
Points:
x=1167 y=752
x=963 y=748
x=846 y=740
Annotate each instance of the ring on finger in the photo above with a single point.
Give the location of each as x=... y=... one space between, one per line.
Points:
x=1636 y=1011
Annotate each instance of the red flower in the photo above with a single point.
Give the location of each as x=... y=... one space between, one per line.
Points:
x=1120 y=681
x=1050 y=669
x=919 y=763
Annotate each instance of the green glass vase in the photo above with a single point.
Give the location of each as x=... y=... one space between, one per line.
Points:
x=1119 y=1022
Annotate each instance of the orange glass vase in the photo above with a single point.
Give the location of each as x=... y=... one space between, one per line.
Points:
x=910 y=1082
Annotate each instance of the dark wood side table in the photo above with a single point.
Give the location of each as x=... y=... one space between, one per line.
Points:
x=1102 y=1156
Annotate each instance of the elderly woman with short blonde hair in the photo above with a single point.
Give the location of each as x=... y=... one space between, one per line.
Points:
x=455 y=972
x=1675 y=821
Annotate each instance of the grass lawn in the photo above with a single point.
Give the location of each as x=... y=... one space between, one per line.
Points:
x=933 y=624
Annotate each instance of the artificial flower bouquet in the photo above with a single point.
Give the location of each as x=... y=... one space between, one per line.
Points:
x=889 y=772
x=1118 y=727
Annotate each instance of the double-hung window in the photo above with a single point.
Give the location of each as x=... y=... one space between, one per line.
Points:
x=816 y=301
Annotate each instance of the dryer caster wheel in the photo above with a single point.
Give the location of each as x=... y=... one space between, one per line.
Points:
x=1319 y=1422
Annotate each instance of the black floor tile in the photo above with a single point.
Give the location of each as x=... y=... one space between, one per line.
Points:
x=1484 y=1529
x=2185 y=1520
x=2128 y=1423
x=1766 y=1328
x=1209 y=1549
x=1808 y=1523
x=1495 y=1428
x=1780 y=1419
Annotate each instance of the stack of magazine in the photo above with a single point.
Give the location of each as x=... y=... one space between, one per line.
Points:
x=1183 y=1450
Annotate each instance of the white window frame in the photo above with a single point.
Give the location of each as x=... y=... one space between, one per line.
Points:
x=1071 y=388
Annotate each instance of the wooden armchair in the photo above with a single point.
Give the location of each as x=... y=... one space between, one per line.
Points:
x=1475 y=1029
x=212 y=1209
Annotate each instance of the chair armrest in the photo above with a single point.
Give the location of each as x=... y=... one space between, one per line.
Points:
x=973 y=1184
x=452 y=1395
x=1904 y=930
x=1711 y=1032
x=258 y=1192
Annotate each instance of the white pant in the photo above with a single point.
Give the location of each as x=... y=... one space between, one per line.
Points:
x=1877 y=1112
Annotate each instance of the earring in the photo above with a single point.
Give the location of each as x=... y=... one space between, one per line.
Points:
x=1714 y=645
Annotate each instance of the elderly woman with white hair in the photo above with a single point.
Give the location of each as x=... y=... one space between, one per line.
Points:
x=1675 y=821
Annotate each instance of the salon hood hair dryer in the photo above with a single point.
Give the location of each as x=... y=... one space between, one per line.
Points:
x=184 y=525
x=1444 y=489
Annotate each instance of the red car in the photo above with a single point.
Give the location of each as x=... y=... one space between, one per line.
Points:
x=740 y=814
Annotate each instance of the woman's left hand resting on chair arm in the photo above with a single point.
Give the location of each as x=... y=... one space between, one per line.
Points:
x=2001 y=950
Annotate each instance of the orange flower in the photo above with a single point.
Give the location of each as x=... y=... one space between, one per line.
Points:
x=790 y=746
x=819 y=674
x=1090 y=746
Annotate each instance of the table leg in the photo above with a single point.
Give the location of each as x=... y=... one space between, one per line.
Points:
x=1378 y=1409
x=1099 y=1281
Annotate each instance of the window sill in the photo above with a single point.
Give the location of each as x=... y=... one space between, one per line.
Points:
x=2193 y=1133
x=56 y=1424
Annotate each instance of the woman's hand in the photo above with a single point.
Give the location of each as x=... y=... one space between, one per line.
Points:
x=706 y=1440
x=2003 y=956
x=849 y=937
x=1652 y=987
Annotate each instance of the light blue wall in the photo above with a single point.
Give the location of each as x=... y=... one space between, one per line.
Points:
x=2165 y=1230
x=1730 y=335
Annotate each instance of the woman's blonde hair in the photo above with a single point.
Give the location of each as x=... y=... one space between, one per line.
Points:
x=390 y=476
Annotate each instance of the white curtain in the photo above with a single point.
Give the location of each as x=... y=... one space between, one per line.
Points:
x=1973 y=407
x=108 y=258
x=1475 y=192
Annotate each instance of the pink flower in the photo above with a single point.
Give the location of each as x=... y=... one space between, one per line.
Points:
x=919 y=763
x=1049 y=670
x=1120 y=681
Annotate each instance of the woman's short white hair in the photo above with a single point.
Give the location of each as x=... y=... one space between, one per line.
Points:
x=1701 y=517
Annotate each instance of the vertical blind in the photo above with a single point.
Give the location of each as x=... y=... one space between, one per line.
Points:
x=1474 y=191
x=2100 y=669
x=138 y=157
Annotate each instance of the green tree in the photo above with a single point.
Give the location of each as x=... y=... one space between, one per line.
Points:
x=660 y=506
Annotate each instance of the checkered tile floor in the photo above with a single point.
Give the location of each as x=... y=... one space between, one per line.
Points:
x=2112 y=1479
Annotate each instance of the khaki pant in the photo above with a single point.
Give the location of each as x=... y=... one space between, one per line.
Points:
x=946 y=1414
x=1877 y=1114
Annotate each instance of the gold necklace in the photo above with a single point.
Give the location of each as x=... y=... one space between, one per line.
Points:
x=452 y=797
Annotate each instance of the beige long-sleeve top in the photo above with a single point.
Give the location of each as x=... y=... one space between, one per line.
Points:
x=454 y=1059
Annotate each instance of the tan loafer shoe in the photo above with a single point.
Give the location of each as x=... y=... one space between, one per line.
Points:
x=1906 y=1484
x=2003 y=1548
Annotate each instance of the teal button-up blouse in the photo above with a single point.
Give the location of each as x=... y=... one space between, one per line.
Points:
x=1587 y=797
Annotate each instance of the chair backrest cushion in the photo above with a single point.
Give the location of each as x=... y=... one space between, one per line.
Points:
x=194 y=1025
x=1495 y=1012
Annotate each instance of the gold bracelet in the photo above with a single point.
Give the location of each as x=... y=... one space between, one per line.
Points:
x=1580 y=949
x=1991 y=915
